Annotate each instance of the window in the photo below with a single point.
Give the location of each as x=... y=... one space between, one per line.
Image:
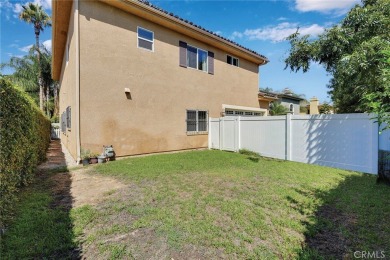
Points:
x=197 y=121
x=68 y=118
x=291 y=108
x=192 y=57
x=63 y=122
x=145 y=39
x=242 y=113
x=196 y=58
x=232 y=60
x=229 y=112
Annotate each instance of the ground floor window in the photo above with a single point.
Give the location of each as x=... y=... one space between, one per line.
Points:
x=197 y=121
x=242 y=113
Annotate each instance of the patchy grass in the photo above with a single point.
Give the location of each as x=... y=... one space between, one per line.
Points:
x=207 y=204
x=40 y=229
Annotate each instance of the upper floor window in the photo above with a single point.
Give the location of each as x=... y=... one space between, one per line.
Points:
x=232 y=60
x=145 y=39
x=196 y=58
x=193 y=57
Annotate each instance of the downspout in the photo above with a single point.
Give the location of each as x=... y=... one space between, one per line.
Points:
x=77 y=26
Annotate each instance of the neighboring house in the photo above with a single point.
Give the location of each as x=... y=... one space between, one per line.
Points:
x=286 y=98
x=143 y=80
x=315 y=108
x=266 y=99
x=290 y=101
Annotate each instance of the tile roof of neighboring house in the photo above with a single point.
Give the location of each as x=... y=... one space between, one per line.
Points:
x=199 y=27
x=278 y=95
x=290 y=96
x=269 y=95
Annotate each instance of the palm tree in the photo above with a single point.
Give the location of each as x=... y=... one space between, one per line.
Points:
x=277 y=109
x=35 y=15
x=25 y=70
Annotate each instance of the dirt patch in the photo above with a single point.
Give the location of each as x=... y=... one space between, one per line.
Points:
x=82 y=188
x=329 y=241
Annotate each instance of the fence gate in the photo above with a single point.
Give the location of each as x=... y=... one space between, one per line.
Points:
x=55 y=131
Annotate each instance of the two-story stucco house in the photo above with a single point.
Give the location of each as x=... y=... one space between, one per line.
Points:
x=143 y=80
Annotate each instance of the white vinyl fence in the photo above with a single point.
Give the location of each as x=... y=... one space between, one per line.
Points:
x=55 y=131
x=346 y=141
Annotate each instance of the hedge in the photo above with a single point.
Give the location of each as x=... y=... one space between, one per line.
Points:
x=24 y=139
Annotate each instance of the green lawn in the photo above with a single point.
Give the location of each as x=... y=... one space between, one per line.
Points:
x=213 y=204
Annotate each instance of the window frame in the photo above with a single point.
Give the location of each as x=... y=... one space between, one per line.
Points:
x=140 y=37
x=291 y=107
x=68 y=120
x=67 y=52
x=197 y=132
x=232 y=58
x=233 y=112
x=197 y=58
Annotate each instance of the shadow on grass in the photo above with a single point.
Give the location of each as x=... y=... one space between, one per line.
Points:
x=42 y=227
x=352 y=217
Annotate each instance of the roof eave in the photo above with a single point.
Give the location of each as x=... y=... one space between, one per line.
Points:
x=60 y=23
x=166 y=20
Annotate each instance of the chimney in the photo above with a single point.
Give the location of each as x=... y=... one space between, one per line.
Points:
x=314 y=106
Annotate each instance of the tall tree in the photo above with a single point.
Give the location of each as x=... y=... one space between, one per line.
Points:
x=277 y=109
x=35 y=15
x=352 y=53
x=25 y=76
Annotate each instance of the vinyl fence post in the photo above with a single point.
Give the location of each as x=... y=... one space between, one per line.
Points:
x=238 y=137
x=209 y=130
x=288 y=137
x=375 y=147
x=220 y=133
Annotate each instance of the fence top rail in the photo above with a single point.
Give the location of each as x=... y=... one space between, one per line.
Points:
x=357 y=116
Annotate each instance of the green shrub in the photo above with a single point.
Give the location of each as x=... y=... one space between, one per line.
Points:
x=24 y=139
x=249 y=153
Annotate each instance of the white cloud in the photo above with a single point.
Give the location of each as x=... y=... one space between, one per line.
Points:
x=282 y=19
x=46 y=4
x=236 y=35
x=281 y=31
x=218 y=32
x=324 y=5
x=26 y=48
x=17 y=8
x=47 y=45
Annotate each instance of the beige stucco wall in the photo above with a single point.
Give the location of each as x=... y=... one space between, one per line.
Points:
x=154 y=119
x=68 y=88
x=264 y=104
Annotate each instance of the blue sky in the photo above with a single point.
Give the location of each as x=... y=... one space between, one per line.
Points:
x=258 y=25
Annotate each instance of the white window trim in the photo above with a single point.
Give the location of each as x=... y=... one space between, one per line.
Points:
x=139 y=37
x=197 y=59
x=233 y=112
x=197 y=132
x=67 y=51
x=238 y=61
